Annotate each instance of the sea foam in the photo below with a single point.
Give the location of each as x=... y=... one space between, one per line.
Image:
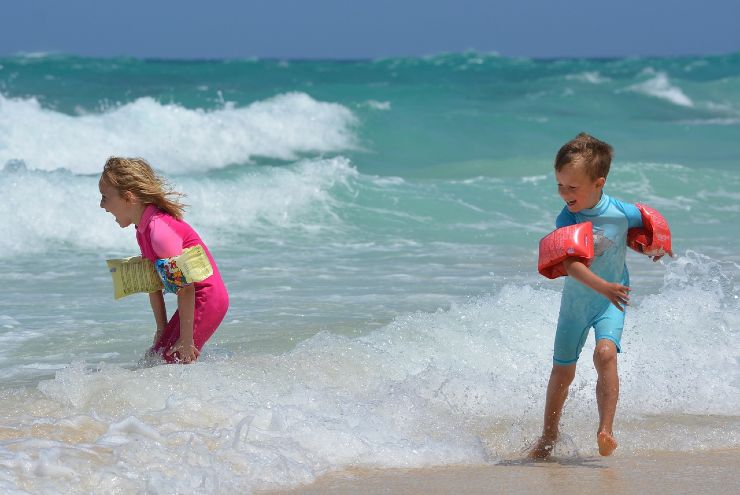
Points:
x=172 y=137
x=462 y=385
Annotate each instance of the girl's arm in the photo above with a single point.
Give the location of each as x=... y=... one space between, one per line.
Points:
x=166 y=243
x=185 y=346
x=618 y=294
x=156 y=299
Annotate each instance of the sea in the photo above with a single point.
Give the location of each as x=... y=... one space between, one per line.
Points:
x=377 y=224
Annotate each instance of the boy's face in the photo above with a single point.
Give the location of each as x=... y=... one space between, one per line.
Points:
x=577 y=189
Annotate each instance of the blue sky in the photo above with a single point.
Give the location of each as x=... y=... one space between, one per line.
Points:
x=369 y=29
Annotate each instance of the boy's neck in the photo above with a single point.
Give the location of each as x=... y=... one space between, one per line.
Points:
x=601 y=195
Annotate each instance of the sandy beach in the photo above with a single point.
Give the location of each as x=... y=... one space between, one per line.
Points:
x=712 y=472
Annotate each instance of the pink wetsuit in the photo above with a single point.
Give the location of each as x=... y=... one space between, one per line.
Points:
x=161 y=235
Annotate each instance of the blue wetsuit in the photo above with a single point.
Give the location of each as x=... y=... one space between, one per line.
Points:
x=581 y=307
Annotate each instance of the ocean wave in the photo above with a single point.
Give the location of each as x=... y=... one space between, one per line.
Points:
x=660 y=87
x=296 y=197
x=592 y=77
x=331 y=197
x=719 y=121
x=376 y=105
x=173 y=138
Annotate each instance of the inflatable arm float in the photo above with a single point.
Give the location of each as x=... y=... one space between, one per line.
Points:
x=654 y=238
x=573 y=241
x=137 y=274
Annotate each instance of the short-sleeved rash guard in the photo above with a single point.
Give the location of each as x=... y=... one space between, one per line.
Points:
x=165 y=241
x=581 y=306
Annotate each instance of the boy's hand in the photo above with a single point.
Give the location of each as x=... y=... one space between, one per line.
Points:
x=618 y=294
x=656 y=258
x=186 y=351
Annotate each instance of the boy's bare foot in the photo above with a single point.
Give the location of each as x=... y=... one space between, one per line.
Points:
x=542 y=449
x=607 y=443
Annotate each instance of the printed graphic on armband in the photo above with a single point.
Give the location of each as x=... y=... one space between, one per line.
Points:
x=137 y=274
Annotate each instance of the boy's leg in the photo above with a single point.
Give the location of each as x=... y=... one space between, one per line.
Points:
x=607 y=393
x=561 y=377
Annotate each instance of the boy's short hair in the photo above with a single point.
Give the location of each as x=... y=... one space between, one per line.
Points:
x=594 y=155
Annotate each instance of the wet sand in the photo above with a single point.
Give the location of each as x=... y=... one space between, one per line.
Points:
x=713 y=472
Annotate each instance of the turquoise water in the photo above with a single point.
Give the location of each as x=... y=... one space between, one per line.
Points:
x=377 y=224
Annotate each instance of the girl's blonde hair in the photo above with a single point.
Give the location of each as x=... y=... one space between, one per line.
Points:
x=138 y=177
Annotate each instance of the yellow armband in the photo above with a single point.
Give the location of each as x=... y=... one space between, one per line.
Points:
x=132 y=275
x=137 y=274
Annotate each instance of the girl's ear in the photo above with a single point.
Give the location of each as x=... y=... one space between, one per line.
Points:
x=129 y=197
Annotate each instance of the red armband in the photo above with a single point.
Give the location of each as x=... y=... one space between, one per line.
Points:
x=573 y=241
x=654 y=238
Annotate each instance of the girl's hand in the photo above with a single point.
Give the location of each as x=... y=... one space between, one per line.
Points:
x=186 y=351
x=618 y=294
x=157 y=336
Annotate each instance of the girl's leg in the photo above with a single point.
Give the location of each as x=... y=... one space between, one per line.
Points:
x=168 y=338
x=206 y=319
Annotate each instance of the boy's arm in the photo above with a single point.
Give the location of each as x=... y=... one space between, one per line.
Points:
x=634 y=220
x=618 y=294
x=156 y=299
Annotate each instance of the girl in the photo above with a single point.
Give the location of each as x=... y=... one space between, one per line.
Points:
x=134 y=194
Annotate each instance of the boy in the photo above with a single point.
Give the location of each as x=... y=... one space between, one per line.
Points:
x=592 y=297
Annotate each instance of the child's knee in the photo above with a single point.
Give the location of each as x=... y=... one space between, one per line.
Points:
x=605 y=352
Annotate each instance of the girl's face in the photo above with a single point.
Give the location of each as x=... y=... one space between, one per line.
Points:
x=124 y=208
x=577 y=189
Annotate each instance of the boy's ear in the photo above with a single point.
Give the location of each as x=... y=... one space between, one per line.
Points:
x=600 y=182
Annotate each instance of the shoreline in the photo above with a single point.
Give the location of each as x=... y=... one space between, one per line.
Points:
x=714 y=472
